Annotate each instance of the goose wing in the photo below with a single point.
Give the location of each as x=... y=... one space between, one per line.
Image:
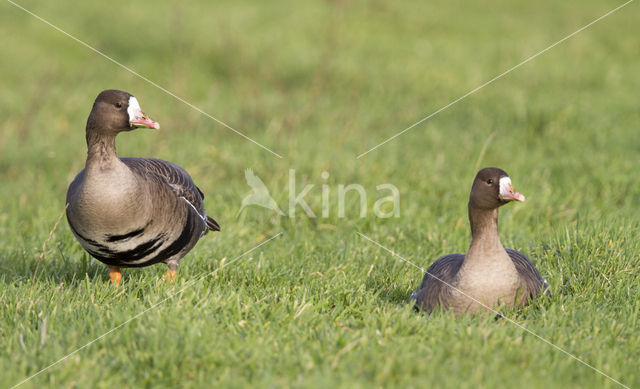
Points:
x=177 y=179
x=532 y=281
x=434 y=291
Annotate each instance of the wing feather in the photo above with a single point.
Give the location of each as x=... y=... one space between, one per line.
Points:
x=175 y=178
x=433 y=292
x=532 y=281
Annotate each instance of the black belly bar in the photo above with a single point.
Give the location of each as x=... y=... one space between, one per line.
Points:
x=110 y=255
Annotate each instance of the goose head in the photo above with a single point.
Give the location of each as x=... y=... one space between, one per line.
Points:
x=115 y=111
x=491 y=189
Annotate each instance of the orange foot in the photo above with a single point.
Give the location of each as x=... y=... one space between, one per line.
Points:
x=115 y=275
x=171 y=276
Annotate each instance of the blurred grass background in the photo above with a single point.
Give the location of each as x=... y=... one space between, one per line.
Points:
x=321 y=83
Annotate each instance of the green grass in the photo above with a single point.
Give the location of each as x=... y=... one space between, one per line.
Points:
x=320 y=83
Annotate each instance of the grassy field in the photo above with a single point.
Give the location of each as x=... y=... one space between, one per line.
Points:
x=320 y=83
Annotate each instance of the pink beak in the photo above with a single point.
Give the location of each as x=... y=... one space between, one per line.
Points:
x=512 y=194
x=142 y=120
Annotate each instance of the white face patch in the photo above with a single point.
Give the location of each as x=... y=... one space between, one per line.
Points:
x=134 y=108
x=505 y=186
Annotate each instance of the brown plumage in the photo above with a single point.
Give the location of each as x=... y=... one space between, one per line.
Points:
x=488 y=273
x=132 y=212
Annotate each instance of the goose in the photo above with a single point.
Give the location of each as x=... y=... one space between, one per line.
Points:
x=132 y=212
x=488 y=275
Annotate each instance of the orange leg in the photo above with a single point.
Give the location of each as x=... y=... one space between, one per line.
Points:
x=171 y=276
x=115 y=275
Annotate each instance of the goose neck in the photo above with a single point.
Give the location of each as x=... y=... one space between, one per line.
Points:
x=484 y=228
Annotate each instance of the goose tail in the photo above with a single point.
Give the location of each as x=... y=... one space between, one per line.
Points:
x=212 y=224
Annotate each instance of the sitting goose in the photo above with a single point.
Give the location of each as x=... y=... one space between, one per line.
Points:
x=488 y=273
x=132 y=212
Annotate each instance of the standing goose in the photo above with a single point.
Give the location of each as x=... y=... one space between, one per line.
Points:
x=132 y=212
x=488 y=273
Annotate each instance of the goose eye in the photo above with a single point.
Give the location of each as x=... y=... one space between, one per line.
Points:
x=118 y=105
x=490 y=181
